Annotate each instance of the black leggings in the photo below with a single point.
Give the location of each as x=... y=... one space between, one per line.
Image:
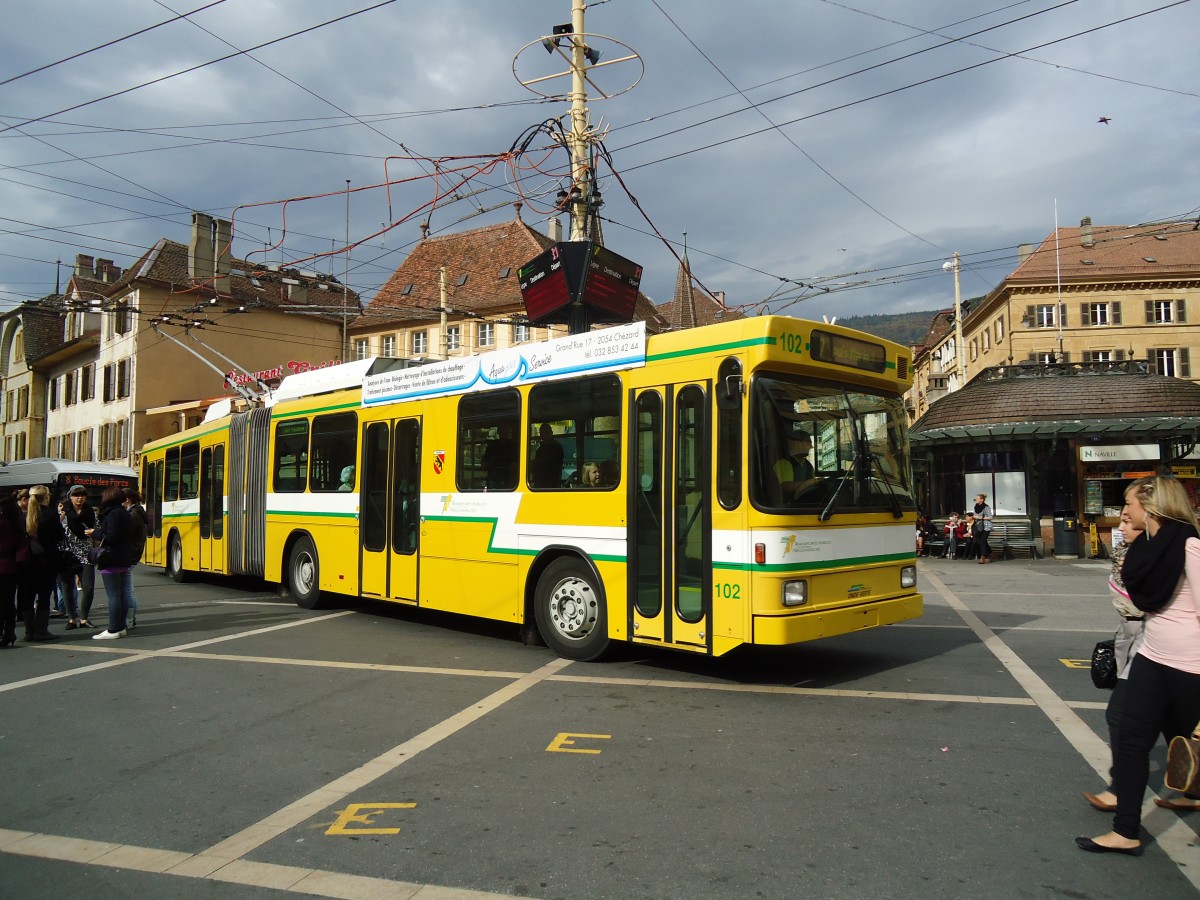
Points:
x=1158 y=700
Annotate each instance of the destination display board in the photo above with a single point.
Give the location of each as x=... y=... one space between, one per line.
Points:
x=847 y=351
x=579 y=283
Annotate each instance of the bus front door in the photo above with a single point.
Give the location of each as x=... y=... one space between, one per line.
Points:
x=212 y=509
x=389 y=504
x=670 y=534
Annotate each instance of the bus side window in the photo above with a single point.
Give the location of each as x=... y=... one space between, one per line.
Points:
x=489 y=450
x=189 y=471
x=334 y=447
x=291 y=456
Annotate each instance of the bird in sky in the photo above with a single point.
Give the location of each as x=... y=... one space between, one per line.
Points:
x=1104 y=120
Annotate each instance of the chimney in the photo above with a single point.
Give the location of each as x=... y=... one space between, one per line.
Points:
x=517 y=206
x=1085 y=232
x=424 y=230
x=1024 y=251
x=201 y=264
x=107 y=272
x=84 y=266
x=223 y=252
x=554 y=229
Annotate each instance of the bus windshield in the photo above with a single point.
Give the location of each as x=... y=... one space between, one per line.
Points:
x=825 y=448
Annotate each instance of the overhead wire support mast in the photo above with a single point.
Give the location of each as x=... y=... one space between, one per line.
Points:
x=248 y=395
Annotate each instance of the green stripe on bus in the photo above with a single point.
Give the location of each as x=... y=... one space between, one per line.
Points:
x=316 y=411
x=512 y=551
x=834 y=563
x=310 y=514
x=711 y=348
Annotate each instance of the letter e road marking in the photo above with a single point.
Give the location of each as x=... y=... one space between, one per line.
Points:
x=1076 y=663
x=354 y=814
x=564 y=742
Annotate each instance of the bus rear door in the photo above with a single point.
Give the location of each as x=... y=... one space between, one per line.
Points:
x=670 y=591
x=389 y=504
x=212 y=509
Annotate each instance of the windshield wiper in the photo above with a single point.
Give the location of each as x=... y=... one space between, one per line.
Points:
x=881 y=475
x=828 y=510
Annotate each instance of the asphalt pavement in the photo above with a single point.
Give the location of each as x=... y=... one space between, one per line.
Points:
x=235 y=745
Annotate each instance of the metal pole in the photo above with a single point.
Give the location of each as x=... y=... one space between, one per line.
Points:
x=444 y=340
x=346 y=282
x=958 y=332
x=580 y=176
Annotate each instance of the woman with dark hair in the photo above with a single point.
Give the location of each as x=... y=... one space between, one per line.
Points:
x=12 y=540
x=1162 y=693
x=113 y=558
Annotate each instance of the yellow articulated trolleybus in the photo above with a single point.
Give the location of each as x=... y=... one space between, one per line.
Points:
x=741 y=483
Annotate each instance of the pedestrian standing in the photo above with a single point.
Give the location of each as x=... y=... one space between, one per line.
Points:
x=37 y=586
x=81 y=521
x=12 y=539
x=137 y=515
x=983 y=527
x=115 y=545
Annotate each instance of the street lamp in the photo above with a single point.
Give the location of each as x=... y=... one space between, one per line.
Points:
x=953 y=265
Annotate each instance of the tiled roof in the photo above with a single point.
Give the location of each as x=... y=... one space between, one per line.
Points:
x=42 y=323
x=167 y=263
x=1029 y=394
x=707 y=312
x=1124 y=252
x=481 y=277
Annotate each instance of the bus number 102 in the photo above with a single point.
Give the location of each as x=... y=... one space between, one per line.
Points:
x=791 y=343
x=729 y=591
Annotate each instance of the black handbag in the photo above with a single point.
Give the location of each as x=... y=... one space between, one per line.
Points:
x=1104 y=665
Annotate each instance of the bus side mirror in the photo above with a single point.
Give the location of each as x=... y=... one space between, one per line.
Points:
x=729 y=385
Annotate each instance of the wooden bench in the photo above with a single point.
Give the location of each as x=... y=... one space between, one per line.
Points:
x=1014 y=534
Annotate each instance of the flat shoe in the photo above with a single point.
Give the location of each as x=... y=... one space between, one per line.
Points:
x=1099 y=804
x=1086 y=843
x=1186 y=805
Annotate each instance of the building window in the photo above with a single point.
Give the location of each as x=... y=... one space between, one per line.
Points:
x=1171 y=362
x=1102 y=313
x=420 y=342
x=487 y=334
x=52 y=450
x=999 y=330
x=974 y=349
x=1165 y=312
x=1046 y=358
x=1045 y=316
x=520 y=333
x=388 y=346
x=87 y=382
x=85 y=445
x=987 y=340
x=453 y=337
x=123 y=368
x=23 y=407
x=109 y=378
x=69 y=393
x=1098 y=356
x=121 y=317
x=52 y=397
x=362 y=348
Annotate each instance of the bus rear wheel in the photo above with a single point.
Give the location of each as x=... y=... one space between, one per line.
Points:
x=570 y=612
x=304 y=574
x=175 y=570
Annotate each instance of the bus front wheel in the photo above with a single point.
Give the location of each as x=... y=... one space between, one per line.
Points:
x=570 y=613
x=175 y=570
x=304 y=574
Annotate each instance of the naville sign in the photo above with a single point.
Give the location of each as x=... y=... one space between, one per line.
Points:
x=579 y=272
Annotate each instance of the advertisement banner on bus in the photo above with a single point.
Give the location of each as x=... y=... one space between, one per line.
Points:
x=620 y=347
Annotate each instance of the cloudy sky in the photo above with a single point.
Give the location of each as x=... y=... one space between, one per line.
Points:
x=823 y=158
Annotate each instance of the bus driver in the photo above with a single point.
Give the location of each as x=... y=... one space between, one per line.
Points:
x=794 y=472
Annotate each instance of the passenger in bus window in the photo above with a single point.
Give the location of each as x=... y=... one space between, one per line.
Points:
x=500 y=460
x=794 y=471
x=347 y=479
x=546 y=470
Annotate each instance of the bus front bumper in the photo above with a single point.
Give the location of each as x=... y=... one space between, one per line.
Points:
x=809 y=626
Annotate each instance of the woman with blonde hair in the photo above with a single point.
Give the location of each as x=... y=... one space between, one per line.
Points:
x=45 y=533
x=1162 y=693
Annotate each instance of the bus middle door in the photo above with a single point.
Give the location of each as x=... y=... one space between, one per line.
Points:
x=670 y=533
x=212 y=509
x=389 y=504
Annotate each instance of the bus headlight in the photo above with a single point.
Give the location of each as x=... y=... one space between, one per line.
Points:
x=795 y=593
x=908 y=576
